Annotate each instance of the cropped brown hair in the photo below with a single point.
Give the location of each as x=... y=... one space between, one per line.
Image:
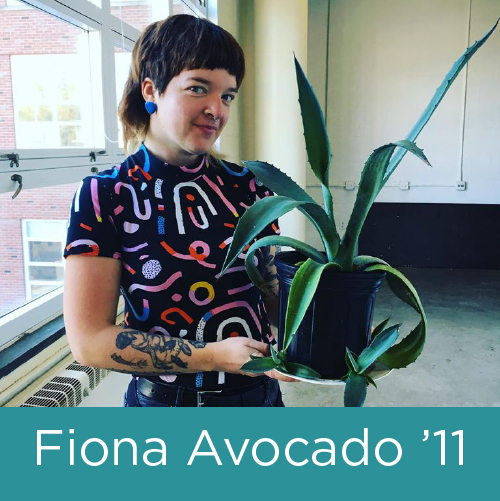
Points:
x=163 y=50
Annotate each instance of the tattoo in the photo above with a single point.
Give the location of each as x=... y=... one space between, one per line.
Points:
x=268 y=269
x=141 y=363
x=164 y=350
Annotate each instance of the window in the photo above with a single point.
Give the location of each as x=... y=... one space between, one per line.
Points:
x=63 y=66
x=139 y=13
x=43 y=245
x=51 y=107
x=49 y=99
x=31 y=260
x=123 y=59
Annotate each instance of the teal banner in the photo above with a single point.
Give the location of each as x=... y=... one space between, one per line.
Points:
x=287 y=453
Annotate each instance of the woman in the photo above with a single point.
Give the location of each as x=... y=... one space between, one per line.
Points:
x=158 y=227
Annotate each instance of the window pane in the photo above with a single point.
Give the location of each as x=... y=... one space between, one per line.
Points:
x=48 y=99
x=45 y=252
x=46 y=230
x=26 y=242
x=137 y=13
x=46 y=273
x=38 y=290
x=123 y=59
x=181 y=8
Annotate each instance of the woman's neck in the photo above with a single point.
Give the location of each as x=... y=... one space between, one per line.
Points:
x=163 y=153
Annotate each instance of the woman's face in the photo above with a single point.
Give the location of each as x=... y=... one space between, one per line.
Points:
x=183 y=126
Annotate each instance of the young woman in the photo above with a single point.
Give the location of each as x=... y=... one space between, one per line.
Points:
x=157 y=227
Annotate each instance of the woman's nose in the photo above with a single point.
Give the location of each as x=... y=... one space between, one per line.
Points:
x=214 y=109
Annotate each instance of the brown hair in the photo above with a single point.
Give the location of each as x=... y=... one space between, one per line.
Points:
x=163 y=50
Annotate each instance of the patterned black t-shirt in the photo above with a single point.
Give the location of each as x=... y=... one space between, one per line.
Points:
x=171 y=227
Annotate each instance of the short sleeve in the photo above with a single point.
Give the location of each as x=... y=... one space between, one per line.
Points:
x=91 y=230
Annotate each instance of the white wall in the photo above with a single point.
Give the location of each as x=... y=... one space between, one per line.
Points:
x=280 y=30
x=375 y=65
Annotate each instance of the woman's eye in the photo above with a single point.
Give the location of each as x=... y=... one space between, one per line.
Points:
x=228 y=97
x=197 y=90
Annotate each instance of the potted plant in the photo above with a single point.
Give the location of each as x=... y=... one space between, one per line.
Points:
x=327 y=297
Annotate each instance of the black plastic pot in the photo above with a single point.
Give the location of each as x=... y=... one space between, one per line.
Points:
x=339 y=315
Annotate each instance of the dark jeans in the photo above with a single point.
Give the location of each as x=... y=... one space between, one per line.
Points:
x=134 y=398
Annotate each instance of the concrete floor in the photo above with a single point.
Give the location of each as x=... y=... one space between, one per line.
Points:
x=460 y=365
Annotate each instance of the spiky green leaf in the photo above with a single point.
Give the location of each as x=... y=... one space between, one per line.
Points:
x=302 y=290
x=436 y=99
x=252 y=269
x=315 y=132
x=355 y=390
x=351 y=360
x=254 y=220
x=379 y=328
x=370 y=380
x=277 y=181
x=369 y=187
x=377 y=347
x=274 y=355
x=409 y=349
x=363 y=262
x=259 y=365
x=295 y=369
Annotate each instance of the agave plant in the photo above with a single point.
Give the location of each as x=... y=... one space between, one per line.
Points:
x=339 y=253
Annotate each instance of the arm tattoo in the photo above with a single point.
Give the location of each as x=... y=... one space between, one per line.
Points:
x=269 y=269
x=163 y=350
x=141 y=363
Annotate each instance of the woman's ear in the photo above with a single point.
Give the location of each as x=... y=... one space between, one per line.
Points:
x=148 y=90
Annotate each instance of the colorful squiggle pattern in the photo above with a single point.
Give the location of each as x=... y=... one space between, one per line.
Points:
x=171 y=227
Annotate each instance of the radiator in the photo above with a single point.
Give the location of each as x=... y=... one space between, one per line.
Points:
x=68 y=388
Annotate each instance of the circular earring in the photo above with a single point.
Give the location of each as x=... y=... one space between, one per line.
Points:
x=150 y=107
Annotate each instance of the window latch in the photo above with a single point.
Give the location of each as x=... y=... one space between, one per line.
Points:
x=93 y=154
x=17 y=178
x=13 y=157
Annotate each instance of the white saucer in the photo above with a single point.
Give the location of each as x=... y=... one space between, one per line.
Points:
x=376 y=371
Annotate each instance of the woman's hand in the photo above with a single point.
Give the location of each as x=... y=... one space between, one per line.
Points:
x=231 y=353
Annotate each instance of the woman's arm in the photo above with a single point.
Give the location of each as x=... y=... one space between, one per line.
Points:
x=91 y=295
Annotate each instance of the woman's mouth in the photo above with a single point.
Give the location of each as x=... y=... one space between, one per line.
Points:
x=207 y=129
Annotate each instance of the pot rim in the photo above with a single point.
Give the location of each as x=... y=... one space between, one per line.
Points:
x=291 y=268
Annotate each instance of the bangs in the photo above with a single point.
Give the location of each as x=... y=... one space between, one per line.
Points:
x=185 y=42
x=216 y=52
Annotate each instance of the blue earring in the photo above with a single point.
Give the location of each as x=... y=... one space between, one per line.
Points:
x=150 y=107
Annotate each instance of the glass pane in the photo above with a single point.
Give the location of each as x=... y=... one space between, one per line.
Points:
x=181 y=8
x=51 y=252
x=46 y=273
x=38 y=290
x=123 y=59
x=137 y=13
x=46 y=230
x=49 y=99
x=24 y=237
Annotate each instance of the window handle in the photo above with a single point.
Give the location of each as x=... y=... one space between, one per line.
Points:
x=17 y=178
x=93 y=154
x=13 y=157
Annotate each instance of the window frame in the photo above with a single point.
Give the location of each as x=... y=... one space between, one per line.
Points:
x=41 y=168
